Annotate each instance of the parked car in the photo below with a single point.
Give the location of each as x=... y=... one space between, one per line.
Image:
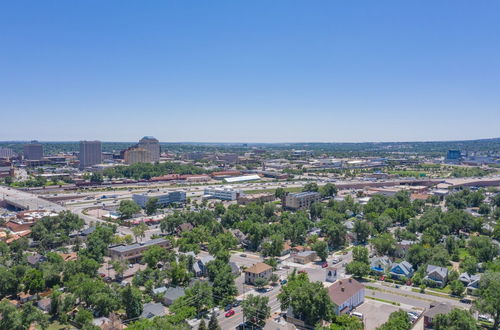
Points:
x=228 y=307
x=230 y=313
x=236 y=303
x=466 y=301
x=283 y=282
x=243 y=255
x=324 y=265
x=301 y=271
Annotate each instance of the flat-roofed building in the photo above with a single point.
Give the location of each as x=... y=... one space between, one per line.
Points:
x=133 y=252
x=33 y=151
x=225 y=193
x=90 y=153
x=302 y=200
x=137 y=155
x=164 y=199
x=258 y=198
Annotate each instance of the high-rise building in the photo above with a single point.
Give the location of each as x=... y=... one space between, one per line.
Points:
x=33 y=151
x=151 y=145
x=90 y=153
x=136 y=155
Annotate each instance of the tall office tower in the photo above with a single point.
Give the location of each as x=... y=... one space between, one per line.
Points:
x=90 y=153
x=33 y=151
x=151 y=145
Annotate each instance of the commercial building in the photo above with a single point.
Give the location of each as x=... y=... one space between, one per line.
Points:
x=260 y=270
x=136 y=155
x=151 y=145
x=346 y=294
x=226 y=194
x=256 y=198
x=133 y=252
x=90 y=153
x=33 y=151
x=305 y=257
x=302 y=200
x=164 y=199
x=242 y=178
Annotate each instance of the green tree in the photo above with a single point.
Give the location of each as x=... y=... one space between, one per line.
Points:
x=83 y=317
x=357 y=269
x=260 y=282
x=346 y=322
x=213 y=324
x=273 y=246
x=139 y=231
x=360 y=253
x=96 y=178
x=310 y=186
x=119 y=266
x=384 y=244
x=489 y=296
x=132 y=300
x=321 y=248
x=256 y=309
x=154 y=254
x=328 y=190
x=362 y=230
x=128 y=208
x=151 y=206
x=456 y=319
x=397 y=321
x=178 y=274
x=279 y=193
x=457 y=288
x=469 y=265
x=33 y=281
x=203 y=325
x=309 y=300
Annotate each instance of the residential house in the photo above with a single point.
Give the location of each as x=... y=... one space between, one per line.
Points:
x=430 y=314
x=242 y=238
x=185 y=227
x=151 y=310
x=200 y=266
x=44 y=304
x=286 y=249
x=403 y=247
x=170 y=294
x=346 y=294
x=471 y=282
x=24 y=297
x=259 y=270
x=305 y=257
x=35 y=259
x=402 y=269
x=436 y=275
x=380 y=265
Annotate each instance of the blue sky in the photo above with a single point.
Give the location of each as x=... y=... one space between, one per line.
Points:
x=250 y=71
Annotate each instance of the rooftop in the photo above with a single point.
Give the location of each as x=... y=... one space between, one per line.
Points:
x=124 y=248
x=258 y=268
x=344 y=289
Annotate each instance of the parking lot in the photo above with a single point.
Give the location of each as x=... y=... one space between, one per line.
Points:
x=375 y=313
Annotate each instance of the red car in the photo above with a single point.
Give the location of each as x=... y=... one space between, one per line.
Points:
x=230 y=313
x=324 y=265
x=302 y=271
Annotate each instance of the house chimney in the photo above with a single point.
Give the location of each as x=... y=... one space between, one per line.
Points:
x=340 y=282
x=350 y=280
x=342 y=289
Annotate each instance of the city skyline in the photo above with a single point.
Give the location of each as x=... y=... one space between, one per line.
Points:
x=259 y=72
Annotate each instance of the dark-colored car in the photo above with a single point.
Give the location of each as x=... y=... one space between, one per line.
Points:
x=324 y=265
x=236 y=303
x=283 y=282
x=466 y=301
x=228 y=307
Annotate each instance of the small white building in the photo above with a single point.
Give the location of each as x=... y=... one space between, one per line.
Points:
x=224 y=193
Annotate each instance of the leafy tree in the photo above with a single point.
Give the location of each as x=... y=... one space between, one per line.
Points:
x=256 y=309
x=203 y=325
x=178 y=274
x=154 y=254
x=321 y=248
x=128 y=208
x=310 y=301
x=417 y=255
x=84 y=317
x=357 y=269
x=310 y=186
x=397 y=321
x=273 y=246
x=489 y=296
x=336 y=234
x=469 y=265
x=140 y=231
x=151 y=206
x=362 y=230
x=482 y=248
x=346 y=322
x=456 y=319
x=96 y=178
x=457 y=288
x=328 y=190
x=119 y=266
x=279 y=193
x=316 y=210
x=384 y=244
x=11 y=318
x=98 y=242
x=33 y=281
x=260 y=282
x=360 y=253
x=132 y=300
x=213 y=324
x=269 y=210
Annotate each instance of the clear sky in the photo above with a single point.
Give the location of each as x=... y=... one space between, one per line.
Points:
x=250 y=71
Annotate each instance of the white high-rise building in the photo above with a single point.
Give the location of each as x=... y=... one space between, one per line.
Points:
x=151 y=145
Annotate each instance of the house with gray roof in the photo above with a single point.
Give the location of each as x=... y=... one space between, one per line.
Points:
x=471 y=282
x=200 y=266
x=169 y=295
x=151 y=310
x=402 y=269
x=436 y=275
x=380 y=265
